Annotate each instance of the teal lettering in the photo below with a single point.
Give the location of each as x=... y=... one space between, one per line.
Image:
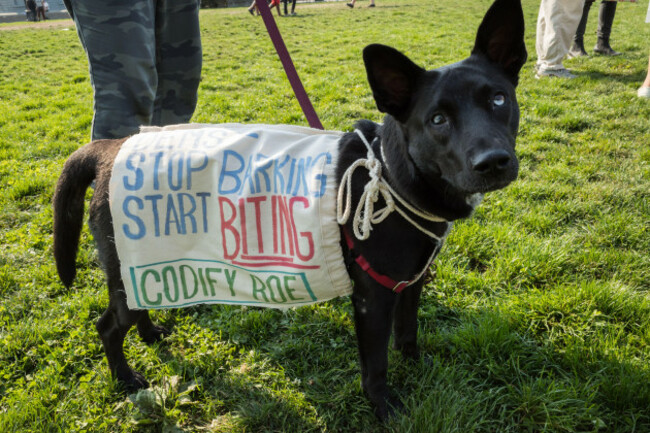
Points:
x=270 y=281
x=184 y=281
x=166 y=272
x=289 y=289
x=212 y=281
x=259 y=287
x=230 y=278
x=143 y=287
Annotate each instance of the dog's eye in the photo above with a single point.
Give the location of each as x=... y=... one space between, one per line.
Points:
x=438 y=119
x=499 y=99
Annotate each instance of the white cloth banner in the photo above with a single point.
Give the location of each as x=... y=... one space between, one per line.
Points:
x=232 y=214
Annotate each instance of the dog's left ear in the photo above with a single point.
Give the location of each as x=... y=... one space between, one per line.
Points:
x=393 y=78
x=500 y=37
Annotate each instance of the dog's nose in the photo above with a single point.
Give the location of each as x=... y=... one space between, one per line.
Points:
x=491 y=161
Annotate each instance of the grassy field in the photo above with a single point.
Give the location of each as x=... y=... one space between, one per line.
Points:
x=538 y=319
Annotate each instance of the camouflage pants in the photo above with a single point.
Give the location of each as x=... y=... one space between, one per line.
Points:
x=144 y=58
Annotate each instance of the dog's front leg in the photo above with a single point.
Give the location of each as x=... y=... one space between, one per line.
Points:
x=373 y=312
x=405 y=326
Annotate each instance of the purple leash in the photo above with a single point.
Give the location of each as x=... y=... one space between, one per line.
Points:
x=289 y=68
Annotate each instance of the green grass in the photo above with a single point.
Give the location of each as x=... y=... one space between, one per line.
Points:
x=538 y=319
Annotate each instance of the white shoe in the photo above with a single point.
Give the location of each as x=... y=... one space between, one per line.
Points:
x=557 y=73
x=643 y=92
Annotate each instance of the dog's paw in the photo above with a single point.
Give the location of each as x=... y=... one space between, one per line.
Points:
x=153 y=334
x=132 y=381
x=410 y=351
x=388 y=408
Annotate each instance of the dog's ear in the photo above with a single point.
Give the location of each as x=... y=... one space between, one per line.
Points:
x=500 y=37
x=392 y=77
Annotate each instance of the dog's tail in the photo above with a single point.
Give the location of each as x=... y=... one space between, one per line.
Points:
x=68 y=203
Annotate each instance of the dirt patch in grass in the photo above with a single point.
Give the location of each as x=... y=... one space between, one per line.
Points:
x=39 y=25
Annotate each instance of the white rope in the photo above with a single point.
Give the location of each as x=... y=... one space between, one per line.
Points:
x=365 y=215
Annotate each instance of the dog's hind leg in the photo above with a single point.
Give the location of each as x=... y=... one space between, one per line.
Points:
x=150 y=332
x=405 y=323
x=116 y=321
x=113 y=326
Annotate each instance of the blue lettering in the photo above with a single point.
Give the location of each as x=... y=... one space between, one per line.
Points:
x=231 y=173
x=301 y=179
x=204 y=208
x=262 y=169
x=154 y=210
x=322 y=178
x=172 y=216
x=139 y=175
x=186 y=214
x=248 y=176
x=278 y=178
x=156 y=169
x=190 y=169
x=291 y=171
x=179 y=173
x=141 y=228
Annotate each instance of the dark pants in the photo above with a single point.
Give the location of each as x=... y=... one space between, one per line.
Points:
x=145 y=61
x=293 y=6
x=605 y=19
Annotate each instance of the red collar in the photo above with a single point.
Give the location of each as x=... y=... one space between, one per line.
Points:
x=384 y=280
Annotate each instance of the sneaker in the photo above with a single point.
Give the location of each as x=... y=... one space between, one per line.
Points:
x=371 y=6
x=604 y=49
x=643 y=92
x=350 y=5
x=577 y=50
x=557 y=73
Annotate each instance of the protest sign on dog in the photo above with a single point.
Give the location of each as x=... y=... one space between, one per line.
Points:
x=234 y=214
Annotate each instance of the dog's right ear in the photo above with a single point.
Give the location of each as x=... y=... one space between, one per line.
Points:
x=392 y=77
x=500 y=37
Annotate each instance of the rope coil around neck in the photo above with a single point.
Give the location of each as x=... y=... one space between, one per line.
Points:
x=365 y=214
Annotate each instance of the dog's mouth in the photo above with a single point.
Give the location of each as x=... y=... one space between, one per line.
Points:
x=478 y=184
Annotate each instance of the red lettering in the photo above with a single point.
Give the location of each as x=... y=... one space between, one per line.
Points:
x=306 y=235
x=284 y=219
x=258 y=221
x=242 y=223
x=228 y=225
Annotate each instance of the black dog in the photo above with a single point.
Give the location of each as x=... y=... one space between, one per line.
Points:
x=448 y=137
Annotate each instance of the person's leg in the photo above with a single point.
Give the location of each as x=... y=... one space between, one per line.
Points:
x=646 y=83
x=293 y=7
x=178 y=61
x=277 y=6
x=605 y=20
x=556 y=25
x=644 y=90
x=578 y=47
x=119 y=39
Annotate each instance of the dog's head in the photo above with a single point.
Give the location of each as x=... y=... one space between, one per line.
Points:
x=454 y=128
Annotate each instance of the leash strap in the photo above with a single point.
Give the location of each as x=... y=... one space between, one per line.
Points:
x=289 y=68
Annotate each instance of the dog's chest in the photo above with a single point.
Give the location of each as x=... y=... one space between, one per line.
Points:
x=236 y=214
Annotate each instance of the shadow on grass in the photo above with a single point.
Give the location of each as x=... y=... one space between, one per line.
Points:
x=480 y=372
